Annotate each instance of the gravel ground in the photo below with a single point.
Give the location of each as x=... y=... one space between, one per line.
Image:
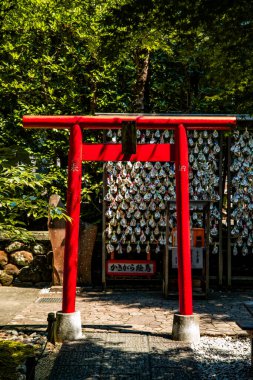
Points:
x=223 y=358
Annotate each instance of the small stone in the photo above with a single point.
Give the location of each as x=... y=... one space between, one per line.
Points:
x=21 y=376
x=28 y=274
x=21 y=258
x=5 y=279
x=3 y=259
x=12 y=332
x=38 y=249
x=27 y=340
x=16 y=245
x=39 y=341
x=11 y=269
x=22 y=368
x=40 y=261
x=17 y=282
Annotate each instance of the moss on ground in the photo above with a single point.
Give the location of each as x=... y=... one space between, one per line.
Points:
x=12 y=354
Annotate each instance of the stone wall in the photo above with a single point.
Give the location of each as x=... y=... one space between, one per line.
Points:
x=25 y=264
x=41 y=262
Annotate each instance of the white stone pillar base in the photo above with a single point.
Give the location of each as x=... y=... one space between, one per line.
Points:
x=186 y=328
x=68 y=326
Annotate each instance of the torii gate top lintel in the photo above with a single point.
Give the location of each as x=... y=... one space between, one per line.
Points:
x=105 y=152
x=142 y=122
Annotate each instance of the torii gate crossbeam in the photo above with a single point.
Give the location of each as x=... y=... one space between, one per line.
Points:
x=112 y=152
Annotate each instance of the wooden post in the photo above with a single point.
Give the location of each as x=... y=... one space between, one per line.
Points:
x=128 y=136
x=220 y=257
x=57 y=232
x=86 y=245
x=229 y=271
x=207 y=246
x=166 y=257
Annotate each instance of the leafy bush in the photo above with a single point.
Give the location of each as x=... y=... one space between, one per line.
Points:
x=12 y=354
x=24 y=199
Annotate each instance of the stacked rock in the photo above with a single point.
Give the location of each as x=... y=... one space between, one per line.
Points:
x=22 y=263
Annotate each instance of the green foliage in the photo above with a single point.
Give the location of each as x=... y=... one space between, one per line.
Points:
x=56 y=212
x=22 y=199
x=81 y=57
x=12 y=354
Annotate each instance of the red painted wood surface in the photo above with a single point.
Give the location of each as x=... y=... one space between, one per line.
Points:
x=183 y=222
x=142 y=122
x=144 y=152
x=72 y=228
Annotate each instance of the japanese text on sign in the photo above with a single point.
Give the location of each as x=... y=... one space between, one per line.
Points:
x=122 y=267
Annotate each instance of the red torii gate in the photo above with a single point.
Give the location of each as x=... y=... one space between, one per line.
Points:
x=178 y=153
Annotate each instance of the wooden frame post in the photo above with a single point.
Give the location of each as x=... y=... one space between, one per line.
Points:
x=220 y=243
x=166 y=257
x=229 y=253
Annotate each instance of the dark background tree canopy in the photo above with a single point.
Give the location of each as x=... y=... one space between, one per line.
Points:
x=83 y=56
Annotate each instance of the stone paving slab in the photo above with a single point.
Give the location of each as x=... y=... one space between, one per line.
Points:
x=13 y=300
x=143 y=312
x=124 y=356
x=128 y=333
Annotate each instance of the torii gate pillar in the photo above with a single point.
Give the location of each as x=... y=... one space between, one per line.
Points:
x=185 y=323
x=68 y=320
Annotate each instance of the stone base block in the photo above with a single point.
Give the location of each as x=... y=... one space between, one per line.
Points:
x=186 y=328
x=68 y=326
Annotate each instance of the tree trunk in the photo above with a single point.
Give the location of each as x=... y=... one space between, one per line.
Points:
x=93 y=99
x=141 y=60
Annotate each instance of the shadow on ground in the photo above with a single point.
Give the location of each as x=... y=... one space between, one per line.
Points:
x=219 y=305
x=124 y=356
x=110 y=356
